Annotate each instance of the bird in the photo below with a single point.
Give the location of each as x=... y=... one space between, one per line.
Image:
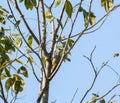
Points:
x=56 y=58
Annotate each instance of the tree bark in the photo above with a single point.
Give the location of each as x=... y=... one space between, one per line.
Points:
x=46 y=94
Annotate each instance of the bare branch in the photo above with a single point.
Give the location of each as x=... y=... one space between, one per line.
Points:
x=52 y=3
x=74 y=95
x=38 y=22
x=108 y=92
x=90 y=60
x=2 y=92
x=43 y=42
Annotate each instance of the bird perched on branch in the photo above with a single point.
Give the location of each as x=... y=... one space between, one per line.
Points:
x=56 y=59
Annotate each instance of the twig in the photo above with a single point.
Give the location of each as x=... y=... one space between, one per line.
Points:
x=26 y=24
x=2 y=92
x=109 y=91
x=74 y=95
x=90 y=60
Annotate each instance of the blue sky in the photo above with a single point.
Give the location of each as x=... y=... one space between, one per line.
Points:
x=78 y=72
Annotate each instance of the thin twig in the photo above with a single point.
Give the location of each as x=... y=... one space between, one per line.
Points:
x=26 y=24
x=90 y=60
x=108 y=92
x=2 y=92
x=74 y=95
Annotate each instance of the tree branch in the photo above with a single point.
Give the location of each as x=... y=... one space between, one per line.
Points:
x=108 y=92
x=2 y=92
x=43 y=42
x=26 y=24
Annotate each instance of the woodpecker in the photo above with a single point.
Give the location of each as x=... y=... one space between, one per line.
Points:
x=56 y=59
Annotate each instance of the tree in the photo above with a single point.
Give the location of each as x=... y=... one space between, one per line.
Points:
x=45 y=42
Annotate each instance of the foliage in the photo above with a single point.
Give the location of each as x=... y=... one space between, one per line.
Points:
x=50 y=39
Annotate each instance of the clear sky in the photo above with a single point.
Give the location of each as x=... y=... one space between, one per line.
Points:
x=78 y=72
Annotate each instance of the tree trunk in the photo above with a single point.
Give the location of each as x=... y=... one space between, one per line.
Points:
x=46 y=94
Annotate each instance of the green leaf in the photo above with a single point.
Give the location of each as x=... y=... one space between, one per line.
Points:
x=7 y=72
x=29 y=4
x=17 y=60
x=17 y=87
x=10 y=16
x=102 y=100
x=57 y=3
x=103 y=2
x=17 y=42
x=9 y=82
x=43 y=59
x=85 y=14
x=16 y=24
x=92 y=18
x=30 y=39
x=19 y=84
x=33 y=2
x=70 y=42
x=2 y=77
x=24 y=71
x=116 y=55
x=68 y=8
x=88 y=18
x=18 y=71
x=107 y=4
x=20 y=0
x=8 y=45
x=30 y=60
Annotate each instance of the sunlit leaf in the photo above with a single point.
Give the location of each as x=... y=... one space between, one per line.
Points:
x=48 y=14
x=30 y=39
x=102 y=100
x=17 y=60
x=103 y=2
x=89 y=17
x=92 y=18
x=2 y=77
x=68 y=8
x=30 y=60
x=107 y=4
x=9 y=82
x=17 y=87
x=116 y=55
x=57 y=3
x=17 y=42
